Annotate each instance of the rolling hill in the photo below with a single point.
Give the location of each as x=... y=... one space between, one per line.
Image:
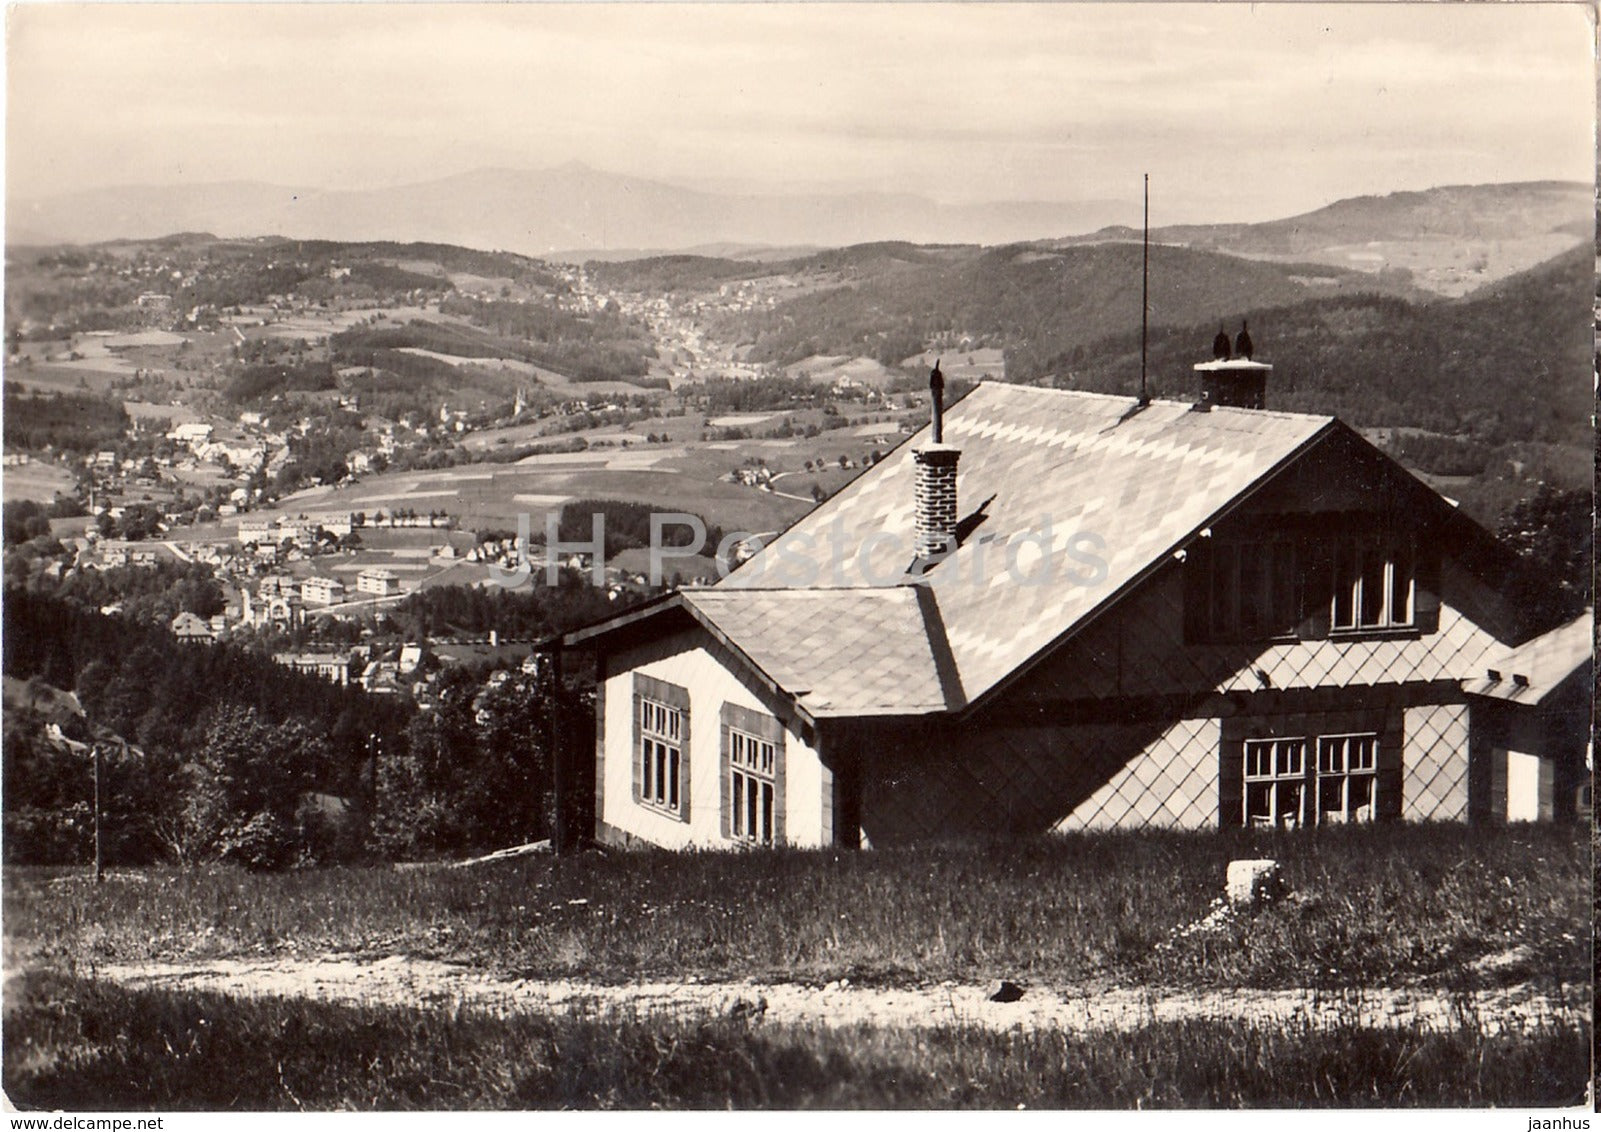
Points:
x=538 y=212
x=1452 y=239
x=1512 y=363
x=888 y=302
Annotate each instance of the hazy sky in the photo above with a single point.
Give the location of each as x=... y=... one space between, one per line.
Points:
x=1236 y=111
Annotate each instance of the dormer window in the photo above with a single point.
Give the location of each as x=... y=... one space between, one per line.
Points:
x=1303 y=584
x=1373 y=586
x=1250 y=590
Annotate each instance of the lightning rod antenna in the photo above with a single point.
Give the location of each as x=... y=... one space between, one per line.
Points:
x=1145 y=288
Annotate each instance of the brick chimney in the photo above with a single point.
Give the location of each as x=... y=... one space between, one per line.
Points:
x=936 y=480
x=1232 y=379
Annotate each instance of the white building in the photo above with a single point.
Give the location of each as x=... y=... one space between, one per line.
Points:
x=335 y=523
x=258 y=531
x=379 y=583
x=191 y=433
x=322 y=591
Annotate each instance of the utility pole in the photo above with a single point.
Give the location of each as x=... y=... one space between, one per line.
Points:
x=373 y=743
x=100 y=860
x=557 y=784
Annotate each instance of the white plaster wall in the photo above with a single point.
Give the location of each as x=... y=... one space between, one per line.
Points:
x=688 y=662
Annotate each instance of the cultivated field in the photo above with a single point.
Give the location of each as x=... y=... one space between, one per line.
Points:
x=37 y=480
x=1436 y=966
x=494 y=495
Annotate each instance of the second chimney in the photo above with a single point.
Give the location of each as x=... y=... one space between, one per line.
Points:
x=935 y=491
x=1232 y=378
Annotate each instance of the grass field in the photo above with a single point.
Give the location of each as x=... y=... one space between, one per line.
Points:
x=1392 y=906
x=1384 y=906
x=37 y=480
x=487 y=495
x=83 y=1045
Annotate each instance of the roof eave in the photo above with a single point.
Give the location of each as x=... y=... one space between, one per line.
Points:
x=886 y=711
x=573 y=638
x=594 y=635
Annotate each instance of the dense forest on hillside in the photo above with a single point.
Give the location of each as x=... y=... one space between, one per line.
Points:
x=217 y=728
x=603 y=346
x=1511 y=363
x=216 y=753
x=667 y=274
x=1034 y=301
x=626 y=526
x=532 y=612
x=77 y=422
x=93 y=288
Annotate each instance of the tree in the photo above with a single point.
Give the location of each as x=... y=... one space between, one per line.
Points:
x=475 y=774
x=1551 y=533
x=246 y=781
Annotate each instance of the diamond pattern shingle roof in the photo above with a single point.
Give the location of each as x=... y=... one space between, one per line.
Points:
x=1055 y=481
x=838 y=652
x=1533 y=670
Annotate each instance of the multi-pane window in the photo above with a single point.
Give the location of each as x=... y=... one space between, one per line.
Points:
x=661 y=755
x=1373 y=586
x=1298 y=583
x=752 y=786
x=1275 y=782
x=1347 y=769
x=1283 y=789
x=1252 y=590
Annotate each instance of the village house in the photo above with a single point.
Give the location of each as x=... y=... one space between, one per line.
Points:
x=322 y=591
x=334 y=667
x=190 y=433
x=276 y=603
x=191 y=629
x=258 y=530
x=1058 y=610
x=337 y=523
x=378 y=582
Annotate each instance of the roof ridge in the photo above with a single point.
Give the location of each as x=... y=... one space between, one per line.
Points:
x=1130 y=399
x=809 y=590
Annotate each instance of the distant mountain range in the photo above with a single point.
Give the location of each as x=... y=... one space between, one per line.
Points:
x=540 y=212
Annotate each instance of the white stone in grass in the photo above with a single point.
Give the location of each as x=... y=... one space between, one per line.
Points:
x=1251 y=881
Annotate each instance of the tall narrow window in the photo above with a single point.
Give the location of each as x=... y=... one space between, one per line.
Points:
x=752 y=785
x=1373 y=586
x=752 y=776
x=661 y=754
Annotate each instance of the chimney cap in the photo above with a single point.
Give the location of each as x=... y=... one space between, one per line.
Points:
x=1232 y=365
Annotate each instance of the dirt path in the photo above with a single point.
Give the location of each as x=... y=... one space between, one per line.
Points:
x=400 y=981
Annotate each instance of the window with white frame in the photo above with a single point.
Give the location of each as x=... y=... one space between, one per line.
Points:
x=1347 y=777
x=752 y=788
x=1304 y=780
x=661 y=755
x=1373 y=586
x=1275 y=782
